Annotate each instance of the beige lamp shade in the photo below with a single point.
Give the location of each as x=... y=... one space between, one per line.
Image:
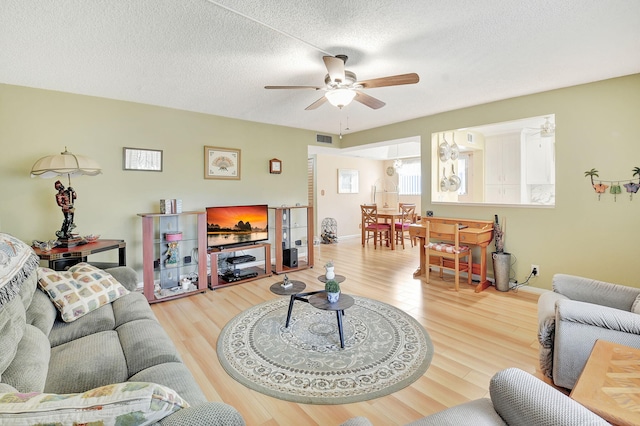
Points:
x=65 y=163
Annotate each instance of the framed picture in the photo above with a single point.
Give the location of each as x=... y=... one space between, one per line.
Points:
x=221 y=163
x=149 y=160
x=347 y=181
x=275 y=166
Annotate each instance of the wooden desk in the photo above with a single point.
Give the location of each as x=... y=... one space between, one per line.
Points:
x=609 y=384
x=477 y=233
x=61 y=258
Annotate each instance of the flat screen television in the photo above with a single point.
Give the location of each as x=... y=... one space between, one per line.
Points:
x=233 y=226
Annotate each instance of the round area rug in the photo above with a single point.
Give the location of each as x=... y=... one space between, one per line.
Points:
x=385 y=351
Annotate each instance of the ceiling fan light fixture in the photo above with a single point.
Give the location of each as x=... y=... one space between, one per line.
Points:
x=340 y=97
x=547 y=129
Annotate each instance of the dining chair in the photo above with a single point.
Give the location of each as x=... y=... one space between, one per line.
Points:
x=408 y=211
x=448 y=255
x=370 y=225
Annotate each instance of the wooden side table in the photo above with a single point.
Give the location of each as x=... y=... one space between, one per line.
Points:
x=609 y=384
x=61 y=258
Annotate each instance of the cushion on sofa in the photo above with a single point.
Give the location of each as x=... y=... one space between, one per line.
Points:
x=86 y=363
x=102 y=319
x=41 y=313
x=28 y=371
x=145 y=344
x=176 y=376
x=122 y=403
x=80 y=290
x=134 y=306
x=12 y=325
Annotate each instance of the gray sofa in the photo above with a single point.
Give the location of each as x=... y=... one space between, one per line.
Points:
x=118 y=342
x=517 y=398
x=574 y=315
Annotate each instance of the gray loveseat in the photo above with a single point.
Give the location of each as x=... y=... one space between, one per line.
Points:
x=118 y=342
x=574 y=315
x=517 y=398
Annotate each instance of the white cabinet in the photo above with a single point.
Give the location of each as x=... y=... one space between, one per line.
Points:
x=539 y=153
x=502 y=169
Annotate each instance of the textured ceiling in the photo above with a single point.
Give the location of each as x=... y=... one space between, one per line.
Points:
x=197 y=55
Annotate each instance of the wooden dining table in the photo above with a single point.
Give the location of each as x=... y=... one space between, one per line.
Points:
x=387 y=216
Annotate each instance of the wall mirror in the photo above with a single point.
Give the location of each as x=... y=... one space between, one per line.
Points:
x=511 y=163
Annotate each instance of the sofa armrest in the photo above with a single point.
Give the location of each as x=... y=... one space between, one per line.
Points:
x=547 y=328
x=205 y=414
x=598 y=316
x=522 y=399
x=578 y=326
x=126 y=276
x=596 y=292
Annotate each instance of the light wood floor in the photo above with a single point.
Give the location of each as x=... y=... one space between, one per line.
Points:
x=474 y=334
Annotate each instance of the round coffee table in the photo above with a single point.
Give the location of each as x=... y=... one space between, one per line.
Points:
x=296 y=287
x=319 y=301
x=337 y=278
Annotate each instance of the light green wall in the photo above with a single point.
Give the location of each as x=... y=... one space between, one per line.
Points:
x=35 y=123
x=597 y=126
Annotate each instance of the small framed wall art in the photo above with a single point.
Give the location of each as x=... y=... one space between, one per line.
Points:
x=348 y=181
x=275 y=166
x=221 y=163
x=149 y=160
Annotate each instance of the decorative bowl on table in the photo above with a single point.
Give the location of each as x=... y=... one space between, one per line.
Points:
x=91 y=238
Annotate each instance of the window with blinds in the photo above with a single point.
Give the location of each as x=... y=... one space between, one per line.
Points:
x=409 y=177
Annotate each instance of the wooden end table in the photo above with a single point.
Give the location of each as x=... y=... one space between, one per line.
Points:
x=61 y=258
x=609 y=384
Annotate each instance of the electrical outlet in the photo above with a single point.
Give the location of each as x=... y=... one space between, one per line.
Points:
x=537 y=269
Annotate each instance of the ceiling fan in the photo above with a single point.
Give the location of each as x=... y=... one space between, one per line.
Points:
x=546 y=129
x=342 y=86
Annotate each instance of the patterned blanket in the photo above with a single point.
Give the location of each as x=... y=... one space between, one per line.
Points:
x=17 y=261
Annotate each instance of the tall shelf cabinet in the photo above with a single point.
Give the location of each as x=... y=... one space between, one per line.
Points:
x=173 y=247
x=292 y=238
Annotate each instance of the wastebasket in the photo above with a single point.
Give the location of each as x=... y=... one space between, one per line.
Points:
x=501 y=270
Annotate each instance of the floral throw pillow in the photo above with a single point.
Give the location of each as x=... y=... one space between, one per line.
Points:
x=128 y=403
x=80 y=290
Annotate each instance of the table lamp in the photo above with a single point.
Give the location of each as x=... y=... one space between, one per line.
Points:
x=68 y=164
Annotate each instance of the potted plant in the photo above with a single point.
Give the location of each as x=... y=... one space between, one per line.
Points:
x=330 y=273
x=333 y=290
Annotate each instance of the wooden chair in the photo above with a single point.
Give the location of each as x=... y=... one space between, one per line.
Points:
x=408 y=217
x=448 y=254
x=370 y=225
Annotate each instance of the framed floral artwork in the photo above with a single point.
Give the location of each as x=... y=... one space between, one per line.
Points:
x=221 y=163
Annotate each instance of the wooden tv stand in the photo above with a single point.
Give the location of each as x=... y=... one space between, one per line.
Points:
x=216 y=281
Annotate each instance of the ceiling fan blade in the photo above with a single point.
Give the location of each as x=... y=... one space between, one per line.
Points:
x=335 y=66
x=316 y=104
x=394 y=80
x=293 y=87
x=369 y=101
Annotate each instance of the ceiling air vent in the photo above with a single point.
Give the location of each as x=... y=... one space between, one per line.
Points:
x=324 y=139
